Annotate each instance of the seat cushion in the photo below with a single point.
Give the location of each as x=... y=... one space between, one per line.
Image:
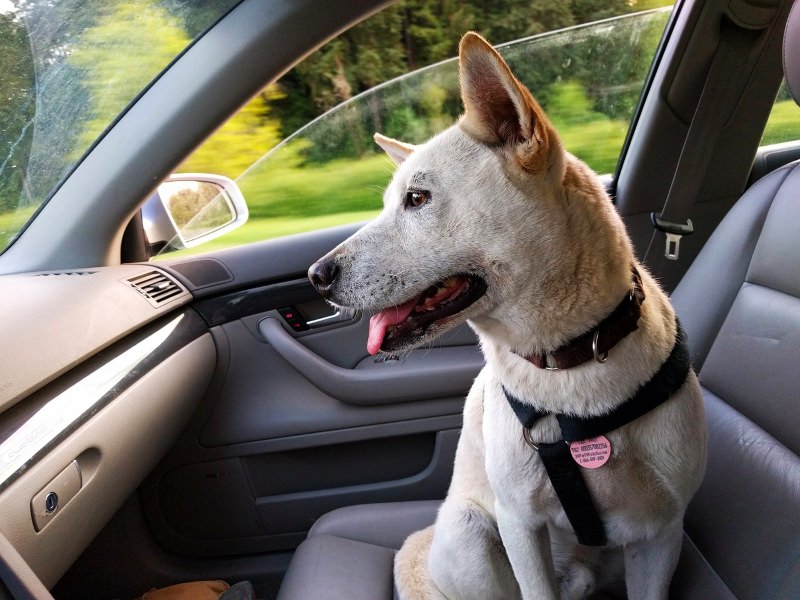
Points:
x=335 y=568
x=349 y=552
x=349 y=555
x=387 y=524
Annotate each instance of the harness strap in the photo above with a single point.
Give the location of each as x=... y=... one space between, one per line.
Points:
x=563 y=472
x=565 y=475
x=666 y=381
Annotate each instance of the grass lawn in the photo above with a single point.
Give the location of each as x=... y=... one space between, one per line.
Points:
x=12 y=222
x=281 y=189
x=783 y=124
x=256 y=230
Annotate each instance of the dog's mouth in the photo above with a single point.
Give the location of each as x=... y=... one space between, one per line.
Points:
x=398 y=326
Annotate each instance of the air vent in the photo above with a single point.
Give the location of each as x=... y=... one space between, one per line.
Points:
x=59 y=273
x=156 y=286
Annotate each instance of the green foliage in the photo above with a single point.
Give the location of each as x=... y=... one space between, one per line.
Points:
x=17 y=106
x=146 y=33
x=585 y=11
x=411 y=34
x=241 y=141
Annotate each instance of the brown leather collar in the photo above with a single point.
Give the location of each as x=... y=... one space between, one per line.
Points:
x=595 y=343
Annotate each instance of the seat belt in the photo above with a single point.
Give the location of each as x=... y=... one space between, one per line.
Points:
x=723 y=80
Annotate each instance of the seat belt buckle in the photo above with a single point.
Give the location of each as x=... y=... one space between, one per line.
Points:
x=674 y=233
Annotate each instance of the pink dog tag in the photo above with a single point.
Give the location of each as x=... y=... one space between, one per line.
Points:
x=591 y=453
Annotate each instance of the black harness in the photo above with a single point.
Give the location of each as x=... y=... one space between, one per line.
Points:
x=564 y=472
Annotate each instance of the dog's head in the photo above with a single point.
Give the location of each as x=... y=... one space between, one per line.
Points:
x=469 y=219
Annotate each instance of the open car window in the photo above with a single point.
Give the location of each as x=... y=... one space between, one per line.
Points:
x=330 y=172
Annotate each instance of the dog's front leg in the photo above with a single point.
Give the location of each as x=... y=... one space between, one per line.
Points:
x=528 y=548
x=650 y=564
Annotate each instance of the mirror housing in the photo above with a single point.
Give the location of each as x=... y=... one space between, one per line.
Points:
x=189 y=209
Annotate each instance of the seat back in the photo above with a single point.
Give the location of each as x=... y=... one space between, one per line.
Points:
x=740 y=305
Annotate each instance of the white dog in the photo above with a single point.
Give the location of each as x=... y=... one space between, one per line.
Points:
x=493 y=222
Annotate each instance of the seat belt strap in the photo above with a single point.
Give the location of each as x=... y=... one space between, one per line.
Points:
x=701 y=139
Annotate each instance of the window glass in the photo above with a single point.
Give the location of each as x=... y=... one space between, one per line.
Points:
x=588 y=78
x=783 y=124
x=67 y=69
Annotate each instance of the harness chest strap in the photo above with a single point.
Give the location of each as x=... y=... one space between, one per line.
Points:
x=563 y=472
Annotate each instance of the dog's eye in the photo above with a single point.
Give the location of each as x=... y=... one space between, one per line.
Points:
x=416 y=198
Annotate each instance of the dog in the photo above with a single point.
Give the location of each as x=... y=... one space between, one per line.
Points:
x=493 y=223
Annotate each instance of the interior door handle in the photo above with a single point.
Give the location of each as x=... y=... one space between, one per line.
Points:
x=422 y=374
x=340 y=316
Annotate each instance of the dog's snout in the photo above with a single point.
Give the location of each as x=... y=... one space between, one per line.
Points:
x=323 y=274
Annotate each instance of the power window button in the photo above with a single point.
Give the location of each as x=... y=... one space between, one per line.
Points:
x=293 y=318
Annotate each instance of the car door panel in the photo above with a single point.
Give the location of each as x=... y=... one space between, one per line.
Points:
x=263 y=397
x=297 y=423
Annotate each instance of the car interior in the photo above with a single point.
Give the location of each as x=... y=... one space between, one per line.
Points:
x=211 y=417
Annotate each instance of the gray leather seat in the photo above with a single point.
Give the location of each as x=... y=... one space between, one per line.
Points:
x=740 y=304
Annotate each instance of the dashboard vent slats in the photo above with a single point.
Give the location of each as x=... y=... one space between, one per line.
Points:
x=156 y=286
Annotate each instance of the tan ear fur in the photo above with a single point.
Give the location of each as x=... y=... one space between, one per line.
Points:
x=499 y=110
x=398 y=151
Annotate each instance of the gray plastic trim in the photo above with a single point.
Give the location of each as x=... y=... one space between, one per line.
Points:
x=297 y=510
x=435 y=372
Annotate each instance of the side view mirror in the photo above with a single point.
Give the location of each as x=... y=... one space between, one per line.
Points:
x=189 y=209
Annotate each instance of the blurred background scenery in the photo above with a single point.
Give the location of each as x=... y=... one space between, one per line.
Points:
x=297 y=170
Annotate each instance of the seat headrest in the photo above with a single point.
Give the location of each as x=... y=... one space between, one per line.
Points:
x=791 y=51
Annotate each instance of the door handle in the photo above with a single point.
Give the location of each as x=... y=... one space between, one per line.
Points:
x=339 y=316
x=422 y=374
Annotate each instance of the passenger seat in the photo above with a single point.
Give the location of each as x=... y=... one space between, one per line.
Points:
x=740 y=304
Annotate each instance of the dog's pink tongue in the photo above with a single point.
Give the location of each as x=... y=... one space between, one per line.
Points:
x=379 y=323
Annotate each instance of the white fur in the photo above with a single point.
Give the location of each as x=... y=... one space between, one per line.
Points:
x=535 y=224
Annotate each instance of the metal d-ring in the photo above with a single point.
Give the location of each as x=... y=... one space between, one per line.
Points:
x=597 y=356
x=526 y=435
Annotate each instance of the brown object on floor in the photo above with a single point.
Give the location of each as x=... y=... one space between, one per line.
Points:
x=193 y=590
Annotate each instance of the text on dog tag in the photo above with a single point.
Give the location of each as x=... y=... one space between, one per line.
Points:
x=591 y=453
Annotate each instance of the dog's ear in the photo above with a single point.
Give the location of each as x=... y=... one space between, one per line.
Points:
x=499 y=110
x=398 y=151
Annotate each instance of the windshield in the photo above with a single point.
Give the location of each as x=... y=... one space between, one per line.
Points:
x=68 y=68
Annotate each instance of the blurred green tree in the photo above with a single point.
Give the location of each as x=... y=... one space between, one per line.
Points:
x=17 y=107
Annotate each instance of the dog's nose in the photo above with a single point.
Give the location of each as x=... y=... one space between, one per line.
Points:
x=323 y=274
